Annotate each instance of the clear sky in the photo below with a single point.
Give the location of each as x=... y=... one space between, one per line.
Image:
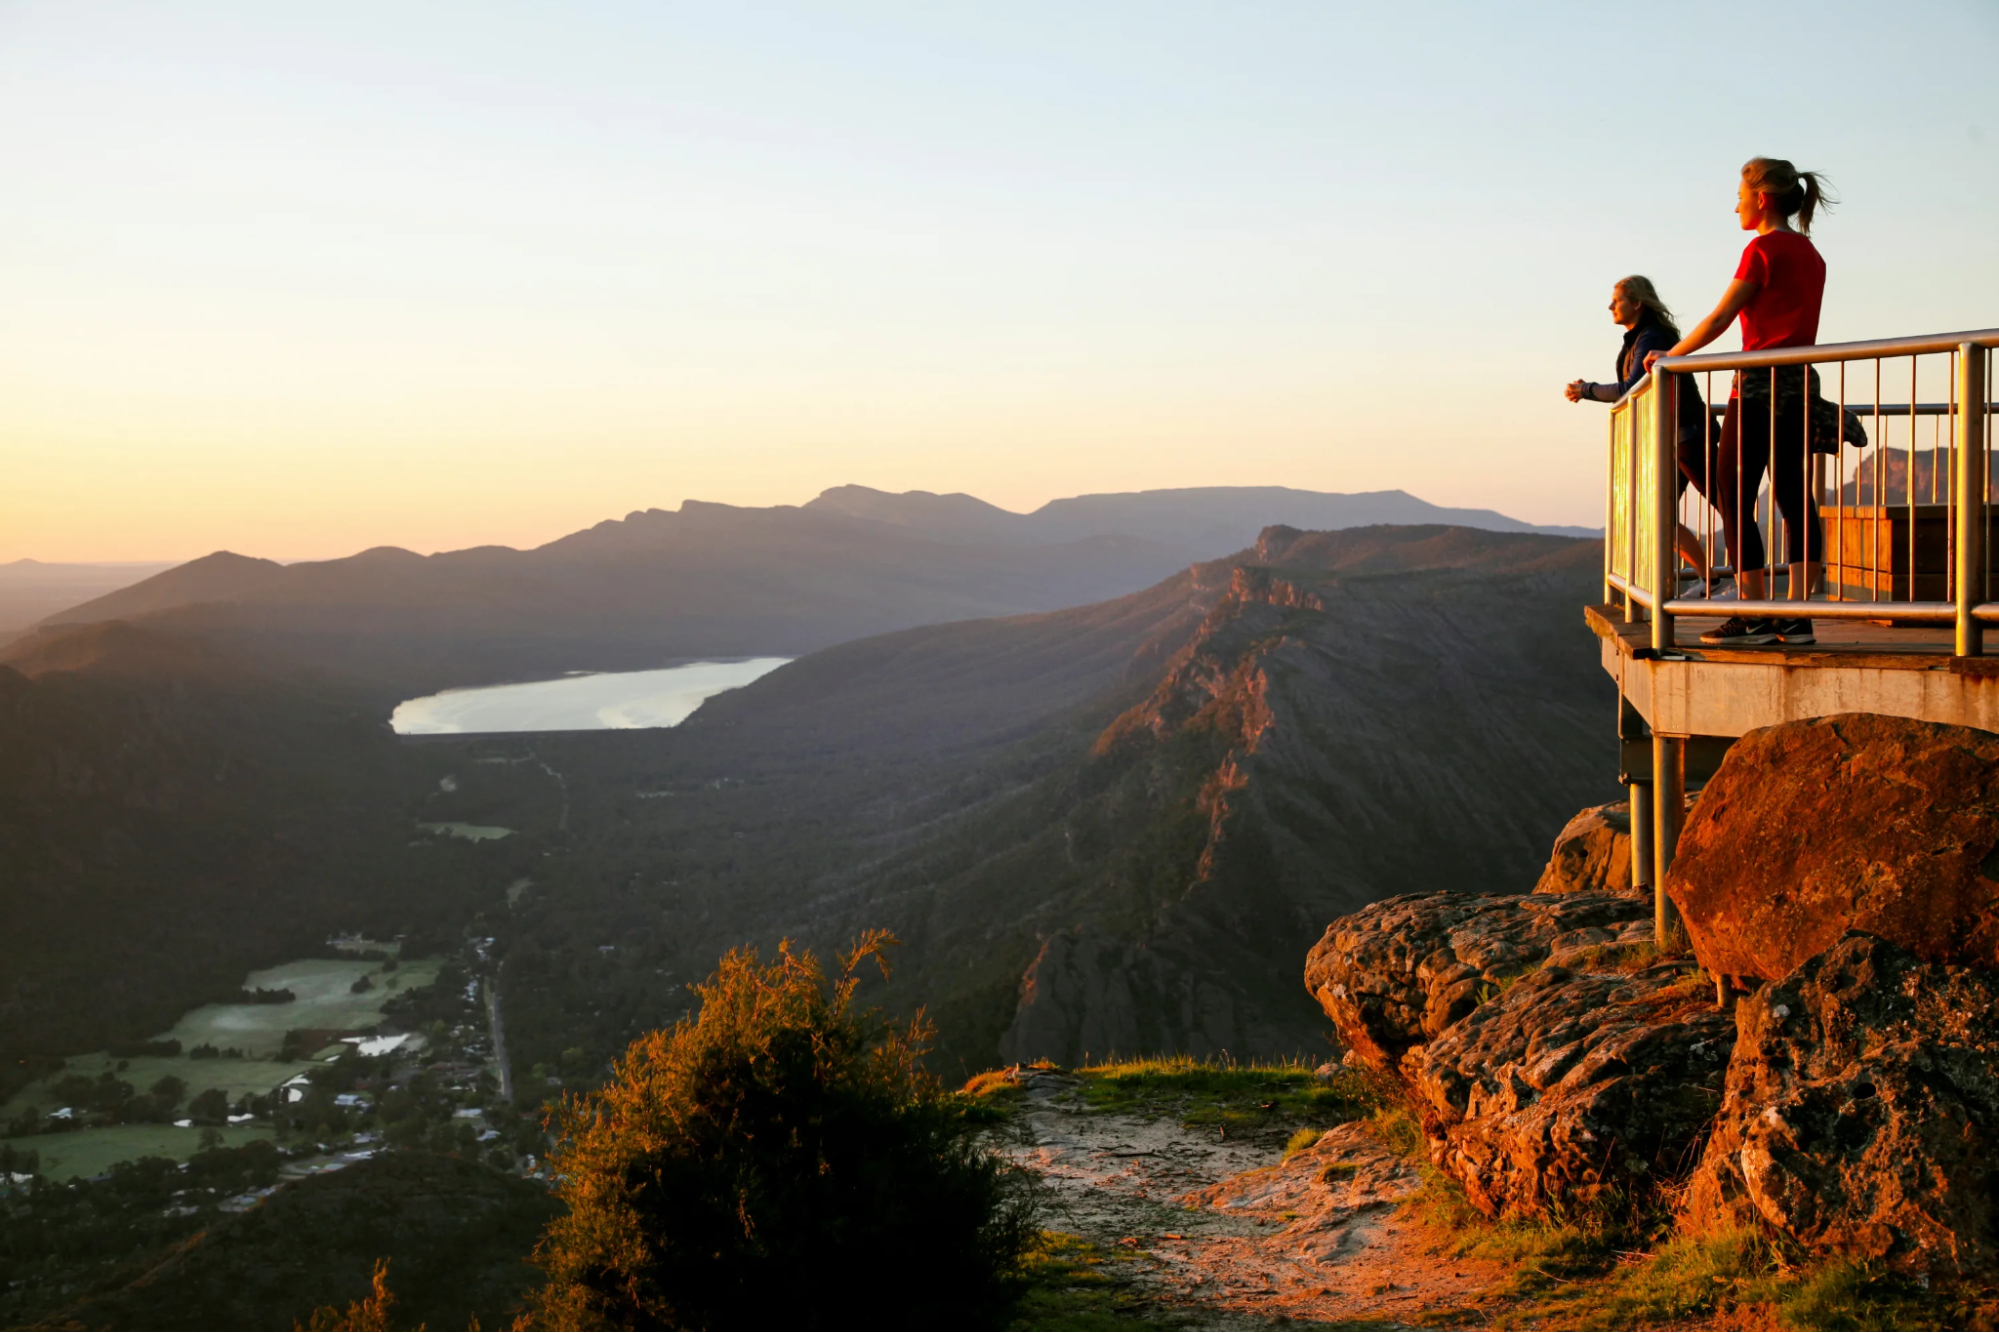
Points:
x=295 y=280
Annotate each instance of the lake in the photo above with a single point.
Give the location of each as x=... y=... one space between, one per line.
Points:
x=594 y=701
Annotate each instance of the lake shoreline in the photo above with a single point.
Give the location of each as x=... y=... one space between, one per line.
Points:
x=579 y=701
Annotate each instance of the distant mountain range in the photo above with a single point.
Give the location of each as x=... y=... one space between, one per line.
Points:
x=32 y=589
x=716 y=580
x=1200 y=522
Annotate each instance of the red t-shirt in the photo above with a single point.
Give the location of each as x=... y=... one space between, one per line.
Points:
x=1790 y=282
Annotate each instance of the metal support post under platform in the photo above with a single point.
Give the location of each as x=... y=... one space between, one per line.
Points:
x=1669 y=809
x=1641 y=834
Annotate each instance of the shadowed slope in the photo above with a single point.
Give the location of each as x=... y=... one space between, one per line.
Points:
x=214 y=577
x=1096 y=828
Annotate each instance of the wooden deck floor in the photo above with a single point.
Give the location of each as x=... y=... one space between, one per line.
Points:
x=1840 y=642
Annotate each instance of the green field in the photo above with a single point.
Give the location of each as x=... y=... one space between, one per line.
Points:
x=92 y=1152
x=237 y=1078
x=325 y=1000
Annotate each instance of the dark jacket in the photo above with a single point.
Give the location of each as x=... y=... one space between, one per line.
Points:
x=1650 y=335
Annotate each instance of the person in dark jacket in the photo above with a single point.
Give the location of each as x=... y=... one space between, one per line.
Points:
x=1649 y=328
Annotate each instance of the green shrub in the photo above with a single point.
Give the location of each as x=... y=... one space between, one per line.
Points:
x=772 y=1160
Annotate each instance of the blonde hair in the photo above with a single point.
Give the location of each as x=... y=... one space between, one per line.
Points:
x=1792 y=191
x=1641 y=290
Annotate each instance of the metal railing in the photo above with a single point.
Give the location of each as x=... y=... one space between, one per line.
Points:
x=1896 y=527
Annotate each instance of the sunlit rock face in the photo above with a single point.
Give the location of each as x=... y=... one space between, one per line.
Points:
x=1574 y=1085
x=1553 y=1059
x=1861 y=1111
x=1592 y=853
x=1400 y=972
x=1851 y=822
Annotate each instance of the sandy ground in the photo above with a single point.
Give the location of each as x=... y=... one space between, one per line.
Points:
x=1227 y=1227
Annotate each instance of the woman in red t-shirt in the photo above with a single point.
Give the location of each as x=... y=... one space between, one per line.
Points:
x=1776 y=294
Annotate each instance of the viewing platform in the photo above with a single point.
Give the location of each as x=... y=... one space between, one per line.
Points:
x=1903 y=584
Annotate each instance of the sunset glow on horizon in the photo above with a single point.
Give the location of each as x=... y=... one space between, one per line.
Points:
x=299 y=282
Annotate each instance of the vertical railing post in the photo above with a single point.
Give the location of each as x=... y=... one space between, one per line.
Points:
x=1971 y=520
x=1664 y=499
x=1669 y=810
x=1610 y=511
x=1632 y=500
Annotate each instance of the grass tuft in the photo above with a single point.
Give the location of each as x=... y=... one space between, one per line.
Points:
x=1395 y=1127
x=1626 y=958
x=1070 y=1283
x=1229 y=1095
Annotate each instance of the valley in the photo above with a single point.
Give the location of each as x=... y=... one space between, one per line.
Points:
x=1089 y=827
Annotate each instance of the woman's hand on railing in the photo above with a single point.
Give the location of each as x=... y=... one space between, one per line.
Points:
x=1740 y=292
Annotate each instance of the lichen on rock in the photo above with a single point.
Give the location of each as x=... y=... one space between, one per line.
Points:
x=1861 y=1110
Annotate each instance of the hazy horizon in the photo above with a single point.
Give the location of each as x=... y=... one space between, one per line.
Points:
x=307 y=282
x=285 y=559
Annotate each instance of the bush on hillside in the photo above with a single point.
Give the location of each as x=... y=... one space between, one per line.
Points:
x=778 y=1160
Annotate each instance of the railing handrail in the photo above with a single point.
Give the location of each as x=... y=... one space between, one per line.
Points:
x=1922 y=344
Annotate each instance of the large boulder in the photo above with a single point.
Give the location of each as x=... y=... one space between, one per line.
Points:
x=1592 y=853
x=1574 y=1083
x=1851 y=822
x=1400 y=972
x=1861 y=1112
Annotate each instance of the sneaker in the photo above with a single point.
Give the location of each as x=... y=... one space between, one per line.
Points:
x=1741 y=632
x=1696 y=591
x=1796 y=630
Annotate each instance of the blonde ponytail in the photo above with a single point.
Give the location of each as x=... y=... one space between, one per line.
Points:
x=1793 y=192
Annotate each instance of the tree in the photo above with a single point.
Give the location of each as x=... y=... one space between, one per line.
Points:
x=169 y=1090
x=766 y=1156
x=210 y=1105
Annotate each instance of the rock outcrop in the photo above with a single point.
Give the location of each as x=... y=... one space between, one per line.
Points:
x=1851 y=822
x=1400 y=972
x=1592 y=853
x=1861 y=1113
x=1572 y=1084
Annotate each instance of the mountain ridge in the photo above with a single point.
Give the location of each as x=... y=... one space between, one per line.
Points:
x=1197 y=518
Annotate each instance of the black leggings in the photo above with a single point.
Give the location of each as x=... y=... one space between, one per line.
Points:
x=1745 y=452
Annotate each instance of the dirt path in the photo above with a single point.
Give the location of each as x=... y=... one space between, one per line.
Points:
x=1228 y=1227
